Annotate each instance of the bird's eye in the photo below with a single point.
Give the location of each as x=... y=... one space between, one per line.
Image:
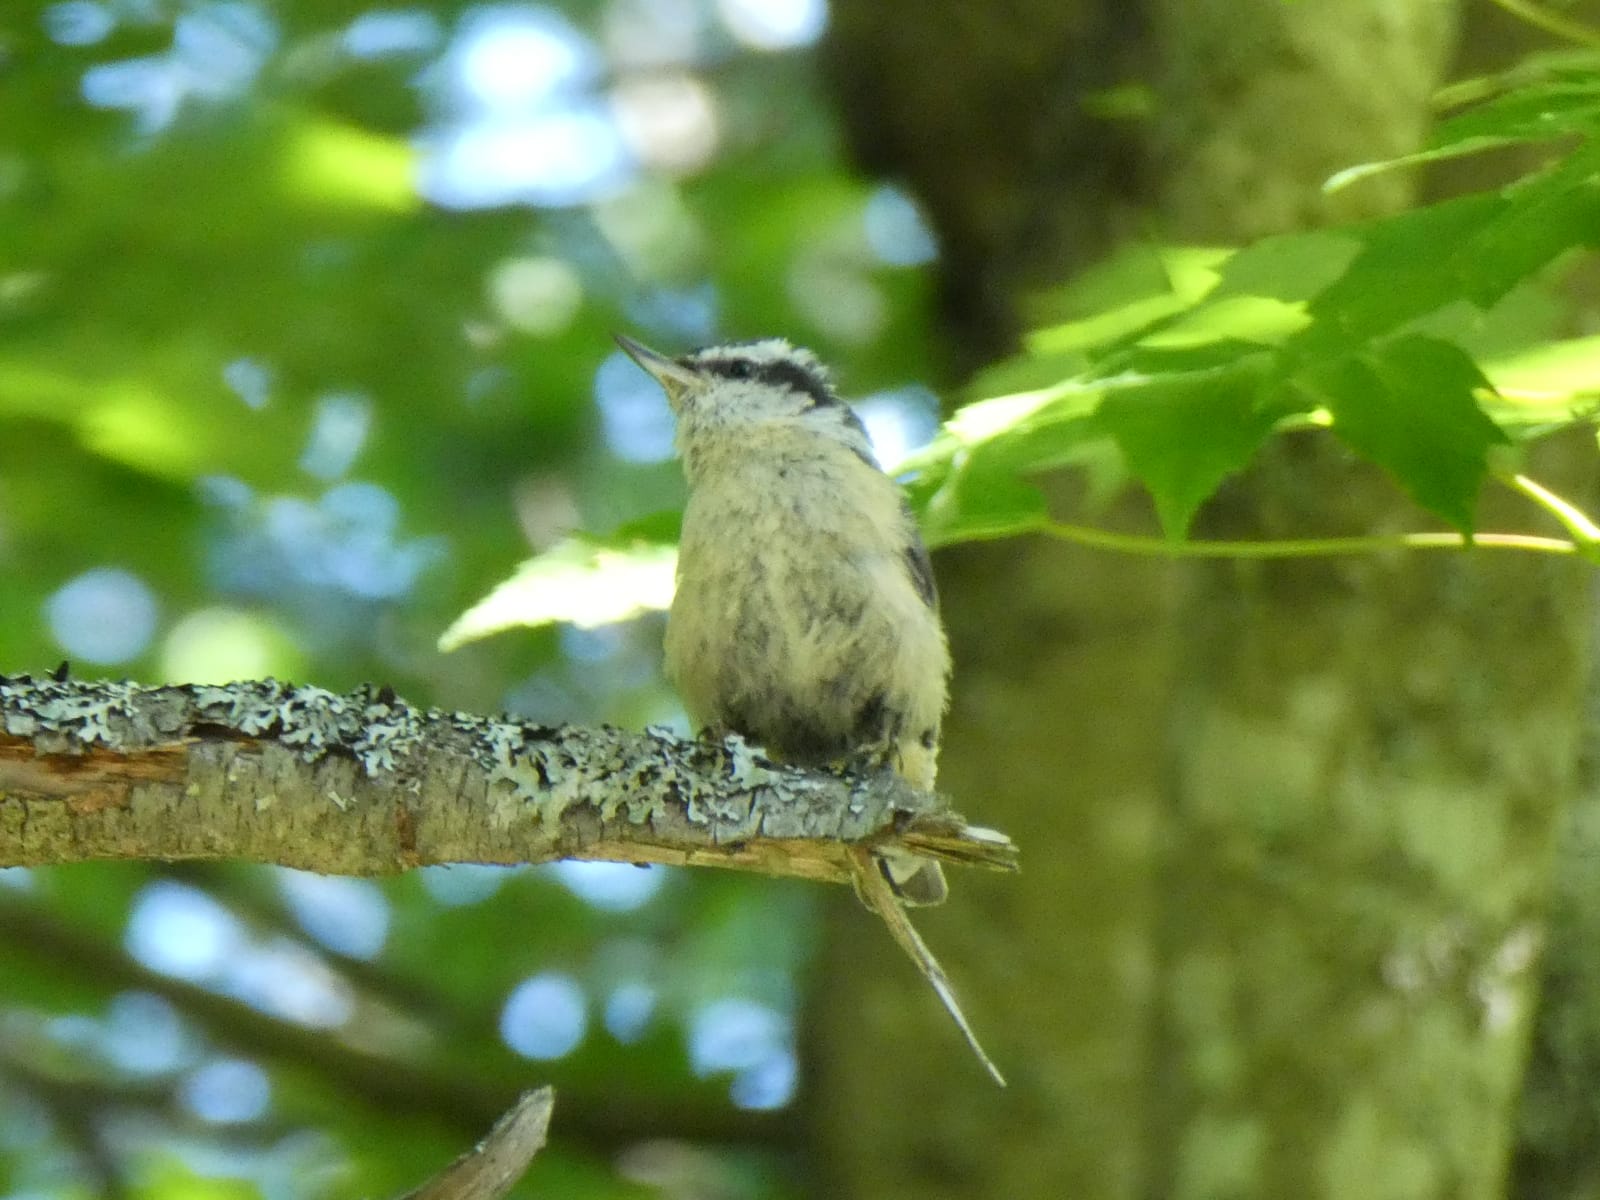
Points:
x=740 y=370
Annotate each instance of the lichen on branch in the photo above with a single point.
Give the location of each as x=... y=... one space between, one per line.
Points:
x=364 y=784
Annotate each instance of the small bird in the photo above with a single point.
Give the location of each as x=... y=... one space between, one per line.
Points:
x=805 y=617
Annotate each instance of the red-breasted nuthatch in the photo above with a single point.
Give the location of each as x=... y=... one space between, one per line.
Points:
x=805 y=617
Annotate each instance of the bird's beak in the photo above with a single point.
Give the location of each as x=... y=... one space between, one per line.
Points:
x=674 y=378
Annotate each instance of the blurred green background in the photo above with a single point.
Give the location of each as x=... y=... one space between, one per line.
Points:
x=304 y=344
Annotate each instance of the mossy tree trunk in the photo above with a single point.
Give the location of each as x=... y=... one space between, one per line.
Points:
x=1287 y=829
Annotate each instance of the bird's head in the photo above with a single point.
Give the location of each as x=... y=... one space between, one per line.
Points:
x=751 y=389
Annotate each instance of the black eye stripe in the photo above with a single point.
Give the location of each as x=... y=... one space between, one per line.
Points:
x=782 y=372
x=785 y=373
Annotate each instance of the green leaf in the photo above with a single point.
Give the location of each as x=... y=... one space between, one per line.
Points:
x=977 y=504
x=1026 y=372
x=582 y=581
x=1478 y=246
x=1544 y=217
x=1408 y=266
x=1568 y=103
x=1550 y=376
x=1559 y=97
x=1546 y=387
x=1127 y=293
x=1183 y=435
x=1027 y=427
x=1289 y=267
x=1257 y=320
x=1411 y=408
x=967 y=482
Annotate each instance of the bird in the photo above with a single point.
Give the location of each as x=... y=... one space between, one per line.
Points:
x=805 y=617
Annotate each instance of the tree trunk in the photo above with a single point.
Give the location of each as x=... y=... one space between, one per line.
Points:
x=1056 y=728
x=1286 y=829
x=1374 y=758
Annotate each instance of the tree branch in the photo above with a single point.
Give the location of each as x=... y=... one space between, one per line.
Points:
x=491 y=1168
x=364 y=784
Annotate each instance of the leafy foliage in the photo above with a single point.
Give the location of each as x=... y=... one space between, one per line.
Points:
x=1174 y=365
x=580 y=582
x=1323 y=325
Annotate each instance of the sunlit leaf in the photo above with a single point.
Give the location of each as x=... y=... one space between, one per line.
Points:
x=1556 y=373
x=340 y=164
x=968 y=482
x=578 y=582
x=1289 y=267
x=1258 y=319
x=1026 y=372
x=1126 y=293
x=982 y=421
x=1546 y=387
x=977 y=505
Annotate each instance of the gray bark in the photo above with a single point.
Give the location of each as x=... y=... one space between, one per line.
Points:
x=492 y=1168
x=1374 y=758
x=1291 y=824
x=365 y=784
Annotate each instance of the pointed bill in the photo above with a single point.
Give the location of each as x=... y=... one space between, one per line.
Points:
x=674 y=378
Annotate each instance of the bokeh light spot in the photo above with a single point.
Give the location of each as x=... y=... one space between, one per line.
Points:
x=288 y=980
x=338 y=431
x=250 y=379
x=385 y=32
x=634 y=416
x=615 y=887
x=653 y=33
x=461 y=884
x=181 y=931
x=768 y=1084
x=898 y=421
x=224 y=491
x=535 y=295
x=221 y=644
x=227 y=1091
x=514 y=57
x=838 y=299
x=78 y=23
x=669 y=120
x=629 y=1008
x=562 y=156
x=775 y=24
x=105 y=615
x=652 y=230
x=895 y=229
x=751 y=1040
x=545 y=1017
x=143 y=1033
x=350 y=916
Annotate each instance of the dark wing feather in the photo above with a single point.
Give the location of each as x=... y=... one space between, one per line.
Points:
x=918 y=565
